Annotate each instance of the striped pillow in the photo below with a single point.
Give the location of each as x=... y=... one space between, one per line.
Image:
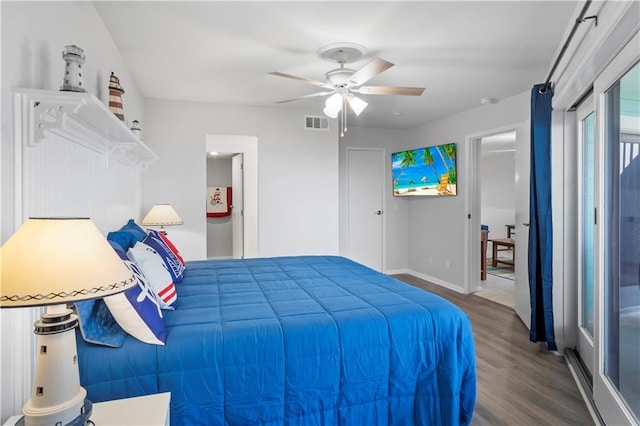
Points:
x=168 y=252
x=153 y=267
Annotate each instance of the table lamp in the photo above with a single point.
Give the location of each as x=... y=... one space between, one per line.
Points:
x=162 y=215
x=51 y=262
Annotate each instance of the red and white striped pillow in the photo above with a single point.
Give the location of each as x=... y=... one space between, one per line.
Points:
x=153 y=267
x=168 y=252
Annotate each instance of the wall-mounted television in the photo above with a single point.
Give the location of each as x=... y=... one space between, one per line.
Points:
x=429 y=171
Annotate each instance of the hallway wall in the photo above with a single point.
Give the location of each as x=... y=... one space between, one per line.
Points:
x=497 y=181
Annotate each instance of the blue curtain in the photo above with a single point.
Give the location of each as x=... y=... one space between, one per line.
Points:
x=540 y=226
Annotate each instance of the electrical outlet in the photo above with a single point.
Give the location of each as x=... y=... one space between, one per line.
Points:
x=430 y=261
x=447 y=265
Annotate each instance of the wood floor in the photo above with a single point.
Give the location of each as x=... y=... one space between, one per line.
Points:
x=518 y=384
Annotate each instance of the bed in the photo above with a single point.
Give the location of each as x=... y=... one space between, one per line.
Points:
x=308 y=340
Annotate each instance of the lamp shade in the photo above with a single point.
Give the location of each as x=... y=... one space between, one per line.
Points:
x=59 y=260
x=357 y=104
x=162 y=215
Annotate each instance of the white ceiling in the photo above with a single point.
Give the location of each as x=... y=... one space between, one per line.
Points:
x=221 y=52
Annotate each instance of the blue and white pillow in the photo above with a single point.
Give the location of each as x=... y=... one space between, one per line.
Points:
x=154 y=269
x=128 y=235
x=174 y=264
x=137 y=310
x=97 y=324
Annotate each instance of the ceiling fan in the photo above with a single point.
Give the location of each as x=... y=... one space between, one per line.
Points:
x=343 y=84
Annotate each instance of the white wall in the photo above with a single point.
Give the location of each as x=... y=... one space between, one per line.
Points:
x=297 y=174
x=424 y=234
x=33 y=36
x=498 y=185
x=219 y=229
x=396 y=254
x=437 y=225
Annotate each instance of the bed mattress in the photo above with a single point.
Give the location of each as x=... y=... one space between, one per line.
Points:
x=308 y=340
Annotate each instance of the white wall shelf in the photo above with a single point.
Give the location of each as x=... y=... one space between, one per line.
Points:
x=81 y=118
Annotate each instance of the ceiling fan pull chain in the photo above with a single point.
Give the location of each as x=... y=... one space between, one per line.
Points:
x=344 y=115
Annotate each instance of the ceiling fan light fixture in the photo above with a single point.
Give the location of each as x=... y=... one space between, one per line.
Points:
x=329 y=113
x=356 y=104
x=333 y=105
x=343 y=83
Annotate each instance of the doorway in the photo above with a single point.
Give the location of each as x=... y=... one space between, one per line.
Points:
x=220 y=236
x=225 y=231
x=519 y=232
x=497 y=171
x=246 y=148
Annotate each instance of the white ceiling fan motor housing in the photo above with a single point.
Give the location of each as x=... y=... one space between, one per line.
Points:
x=339 y=77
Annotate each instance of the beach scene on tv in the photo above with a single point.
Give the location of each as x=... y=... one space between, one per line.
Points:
x=425 y=171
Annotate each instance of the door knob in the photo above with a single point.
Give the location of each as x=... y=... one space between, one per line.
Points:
x=379 y=212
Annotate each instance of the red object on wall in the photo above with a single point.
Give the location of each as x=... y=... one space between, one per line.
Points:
x=219 y=203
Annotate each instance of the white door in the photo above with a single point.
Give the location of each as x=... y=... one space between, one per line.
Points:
x=521 y=297
x=586 y=227
x=365 y=192
x=237 y=211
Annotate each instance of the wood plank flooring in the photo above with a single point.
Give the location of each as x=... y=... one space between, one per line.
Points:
x=518 y=384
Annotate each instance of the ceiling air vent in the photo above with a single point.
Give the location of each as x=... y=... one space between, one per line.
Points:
x=316 y=123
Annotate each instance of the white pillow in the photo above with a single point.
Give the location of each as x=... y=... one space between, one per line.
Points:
x=153 y=267
x=137 y=310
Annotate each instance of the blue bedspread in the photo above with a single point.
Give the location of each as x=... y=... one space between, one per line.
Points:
x=309 y=340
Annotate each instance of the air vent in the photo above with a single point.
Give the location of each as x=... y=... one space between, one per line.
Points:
x=316 y=123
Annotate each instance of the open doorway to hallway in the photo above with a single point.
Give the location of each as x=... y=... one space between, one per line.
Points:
x=223 y=190
x=244 y=184
x=496 y=172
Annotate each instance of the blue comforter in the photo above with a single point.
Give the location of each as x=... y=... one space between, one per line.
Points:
x=310 y=340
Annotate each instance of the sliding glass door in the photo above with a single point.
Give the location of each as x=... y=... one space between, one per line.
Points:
x=617 y=321
x=586 y=224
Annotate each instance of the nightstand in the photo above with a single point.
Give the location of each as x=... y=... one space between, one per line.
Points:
x=148 y=410
x=140 y=410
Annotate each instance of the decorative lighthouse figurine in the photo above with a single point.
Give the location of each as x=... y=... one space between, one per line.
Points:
x=74 y=58
x=115 y=97
x=135 y=128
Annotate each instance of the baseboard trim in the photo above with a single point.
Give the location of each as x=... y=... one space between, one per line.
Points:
x=437 y=281
x=581 y=377
x=396 y=271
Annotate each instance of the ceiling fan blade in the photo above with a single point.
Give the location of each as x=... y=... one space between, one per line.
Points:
x=302 y=79
x=366 y=73
x=312 y=95
x=386 y=90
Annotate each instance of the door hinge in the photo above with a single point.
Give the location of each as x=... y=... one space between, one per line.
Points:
x=595 y=216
